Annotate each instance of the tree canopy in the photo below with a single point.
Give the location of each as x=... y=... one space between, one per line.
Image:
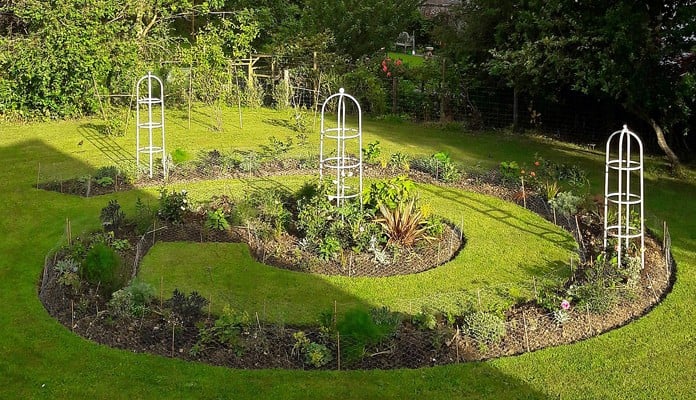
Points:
x=633 y=52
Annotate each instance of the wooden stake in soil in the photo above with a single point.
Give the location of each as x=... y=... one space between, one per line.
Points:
x=72 y=315
x=338 y=349
x=535 y=288
x=524 y=195
x=526 y=338
x=172 y=339
x=68 y=231
x=161 y=291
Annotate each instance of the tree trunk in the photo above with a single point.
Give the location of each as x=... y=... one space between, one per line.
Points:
x=662 y=142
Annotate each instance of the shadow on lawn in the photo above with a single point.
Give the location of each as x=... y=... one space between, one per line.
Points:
x=470 y=379
x=542 y=230
x=106 y=145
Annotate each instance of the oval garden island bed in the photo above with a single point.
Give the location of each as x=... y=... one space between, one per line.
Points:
x=264 y=273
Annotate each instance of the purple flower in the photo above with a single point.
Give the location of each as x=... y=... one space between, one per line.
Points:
x=565 y=304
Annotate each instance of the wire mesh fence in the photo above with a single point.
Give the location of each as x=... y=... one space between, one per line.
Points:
x=441 y=328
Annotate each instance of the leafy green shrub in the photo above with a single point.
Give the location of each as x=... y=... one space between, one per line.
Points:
x=180 y=156
x=131 y=300
x=387 y=321
x=510 y=171
x=229 y=325
x=315 y=354
x=391 y=192
x=216 y=220
x=329 y=248
x=372 y=152
x=112 y=217
x=270 y=207
x=173 y=206
x=440 y=166
x=249 y=162
x=485 y=328
x=109 y=171
x=399 y=161
x=425 y=320
x=101 y=266
x=276 y=148
x=187 y=309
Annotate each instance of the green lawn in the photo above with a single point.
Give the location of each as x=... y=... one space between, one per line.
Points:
x=532 y=251
x=653 y=357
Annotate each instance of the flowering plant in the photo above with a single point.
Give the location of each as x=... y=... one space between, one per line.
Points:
x=561 y=316
x=392 y=68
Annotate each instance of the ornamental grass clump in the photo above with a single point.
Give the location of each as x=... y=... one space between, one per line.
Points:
x=404 y=225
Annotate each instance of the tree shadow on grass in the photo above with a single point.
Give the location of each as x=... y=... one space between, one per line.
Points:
x=476 y=380
x=471 y=201
x=106 y=145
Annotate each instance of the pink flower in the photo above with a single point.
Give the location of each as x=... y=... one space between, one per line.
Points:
x=536 y=163
x=384 y=68
x=398 y=62
x=532 y=173
x=388 y=73
x=565 y=304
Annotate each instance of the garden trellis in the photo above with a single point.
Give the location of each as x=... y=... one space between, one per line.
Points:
x=624 y=201
x=345 y=164
x=150 y=101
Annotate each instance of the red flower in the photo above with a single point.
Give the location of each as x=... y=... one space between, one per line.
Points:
x=532 y=173
x=536 y=163
x=384 y=68
x=398 y=62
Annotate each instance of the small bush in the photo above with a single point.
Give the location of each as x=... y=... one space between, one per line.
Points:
x=404 y=225
x=358 y=330
x=565 y=203
x=101 y=266
x=329 y=248
x=144 y=217
x=109 y=171
x=372 y=152
x=112 y=217
x=180 y=156
x=216 y=220
x=597 y=297
x=131 y=301
x=188 y=309
x=399 y=161
x=425 y=320
x=229 y=325
x=317 y=355
x=173 y=206
x=391 y=192
x=485 y=328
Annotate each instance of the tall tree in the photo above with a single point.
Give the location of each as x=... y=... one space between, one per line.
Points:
x=361 y=27
x=633 y=52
